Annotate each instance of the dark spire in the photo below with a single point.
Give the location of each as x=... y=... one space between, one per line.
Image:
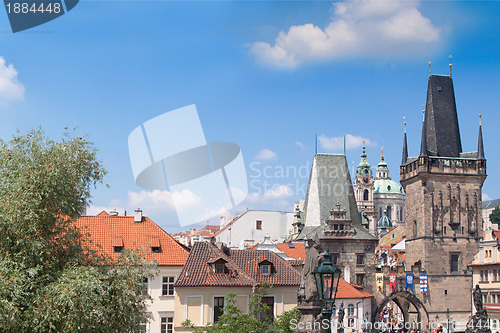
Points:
x=405 y=149
x=441 y=134
x=423 y=142
x=480 y=147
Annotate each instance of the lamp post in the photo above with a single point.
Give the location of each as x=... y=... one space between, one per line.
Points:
x=437 y=321
x=327 y=279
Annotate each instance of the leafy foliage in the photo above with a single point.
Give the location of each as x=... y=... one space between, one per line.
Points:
x=495 y=215
x=50 y=280
x=233 y=320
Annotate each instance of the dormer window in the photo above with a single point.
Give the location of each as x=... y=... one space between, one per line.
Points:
x=218 y=265
x=117 y=245
x=266 y=267
x=219 y=268
x=155 y=245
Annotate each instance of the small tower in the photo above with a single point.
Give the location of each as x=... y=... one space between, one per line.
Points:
x=337 y=224
x=363 y=189
x=297 y=224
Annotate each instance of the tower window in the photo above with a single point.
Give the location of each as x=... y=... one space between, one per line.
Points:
x=365 y=195
x=454 y=262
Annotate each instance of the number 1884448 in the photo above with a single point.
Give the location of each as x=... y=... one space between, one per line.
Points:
x=26 y=7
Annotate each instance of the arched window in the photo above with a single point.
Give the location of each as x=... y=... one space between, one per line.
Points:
x=389 y=212
x=365 y=195
x=350 y=310
x=380 y=213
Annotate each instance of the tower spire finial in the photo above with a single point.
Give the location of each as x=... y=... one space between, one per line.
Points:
x=423 y=143
x=364 y=145
x=382 y=155
x=480 y=146
x=405 y=148
x=430 y=63
x=451 y=65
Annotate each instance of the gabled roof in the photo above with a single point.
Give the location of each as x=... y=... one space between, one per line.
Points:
x=346 y=290
x=242 y=268
x=110 y=231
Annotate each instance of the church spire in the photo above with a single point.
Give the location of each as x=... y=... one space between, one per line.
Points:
x=405 y=148
x=423 y=142
x=480 y=147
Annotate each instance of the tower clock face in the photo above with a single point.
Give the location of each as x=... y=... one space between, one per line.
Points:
x=365 y=180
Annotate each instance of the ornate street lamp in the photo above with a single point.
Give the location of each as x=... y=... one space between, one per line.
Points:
x=327 y=279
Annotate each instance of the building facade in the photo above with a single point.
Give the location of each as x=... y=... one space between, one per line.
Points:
x=212 y=271
x=111 y=234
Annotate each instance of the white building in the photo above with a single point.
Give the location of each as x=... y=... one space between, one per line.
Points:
x=251 y=227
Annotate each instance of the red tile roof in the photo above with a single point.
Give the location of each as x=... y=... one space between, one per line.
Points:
x=347 y=290
x=298 y=251
x=242 y=268
x=109 y=231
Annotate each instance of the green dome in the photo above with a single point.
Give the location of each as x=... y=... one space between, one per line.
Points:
x=388 y=186
x=384 y=221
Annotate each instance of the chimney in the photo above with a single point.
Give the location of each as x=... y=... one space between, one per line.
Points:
x=138 y=216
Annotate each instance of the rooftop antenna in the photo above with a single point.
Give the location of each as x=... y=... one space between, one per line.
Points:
x=430 y=63
x=451 y=65
x=316 y=144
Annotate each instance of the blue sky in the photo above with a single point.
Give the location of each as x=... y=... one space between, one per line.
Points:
x=267 y=75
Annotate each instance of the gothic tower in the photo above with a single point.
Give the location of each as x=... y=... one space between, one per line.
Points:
x=443 y=204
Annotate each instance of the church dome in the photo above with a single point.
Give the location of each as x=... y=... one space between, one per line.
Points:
x=387 y=186
x=384 y=222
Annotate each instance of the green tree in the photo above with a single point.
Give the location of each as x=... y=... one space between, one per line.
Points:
x=50 y=280
x=495 y=215
x=233 y=320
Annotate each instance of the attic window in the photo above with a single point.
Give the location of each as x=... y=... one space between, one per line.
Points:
x=219 y=268
x=155 y=245
x=266 y=267
x=155 y=249
x=291 y=246
x=438 y=89
x=117 y=244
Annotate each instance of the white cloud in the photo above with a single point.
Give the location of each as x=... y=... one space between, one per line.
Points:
x=300 y=144
x=266 y=155
x=337 y=142
x=10 y=88
x=279 y=196
x=364 y=29
x=486 y=197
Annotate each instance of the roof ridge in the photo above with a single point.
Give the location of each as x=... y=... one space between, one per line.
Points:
x=231 y=222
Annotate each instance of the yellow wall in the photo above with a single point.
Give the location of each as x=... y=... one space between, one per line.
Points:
x=196 y=304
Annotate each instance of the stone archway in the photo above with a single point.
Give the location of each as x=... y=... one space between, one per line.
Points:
x=400 y=298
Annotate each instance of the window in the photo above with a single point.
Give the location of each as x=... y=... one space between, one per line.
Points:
x=167 y=325
x=350 y=322
x=269 y=301
x=258 y=225
x=266 y=269
x=495 y=275
x=454 y=263
x=365 y=195
x=118 y=249
x=415 y=228
x=218 y=307
x=145 y=286
x=360 y=279
x=360 y=259
x=389 y=211
x=483 y=275
x=219 y=268
x=155 y=249
x=167 y=288
x=350 y=310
